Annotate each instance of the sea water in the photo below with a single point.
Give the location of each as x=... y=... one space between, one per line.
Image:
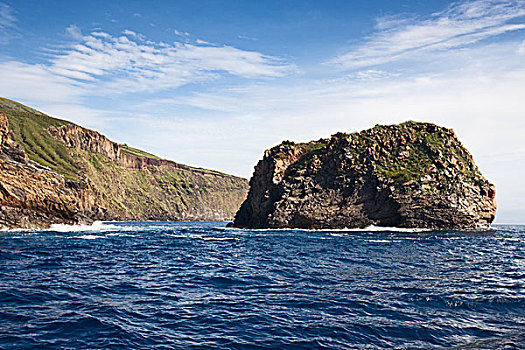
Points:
x=184 y=285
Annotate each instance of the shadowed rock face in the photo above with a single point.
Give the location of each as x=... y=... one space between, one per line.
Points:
x=413 y=175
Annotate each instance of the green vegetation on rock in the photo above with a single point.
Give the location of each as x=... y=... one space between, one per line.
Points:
x=30 y=130
x=409 y=151
x=137 y=152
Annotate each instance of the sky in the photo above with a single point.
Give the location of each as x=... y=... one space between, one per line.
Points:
x=215 y=83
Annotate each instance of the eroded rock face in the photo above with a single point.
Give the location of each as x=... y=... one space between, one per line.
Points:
x=414 y=175
x=8 y=145
x=30 y=195
x=74 y=136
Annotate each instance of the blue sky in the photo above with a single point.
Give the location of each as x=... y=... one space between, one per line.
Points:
x=214 y=83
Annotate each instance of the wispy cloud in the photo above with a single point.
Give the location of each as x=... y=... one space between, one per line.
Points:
x=99 y=64
x=74 y=32
x=246 y=37
x=202 y=42
x=134 y=35
x=36 y=83
x=7 y=22
x=181 y=33
x=461 y=24
x=129 y=63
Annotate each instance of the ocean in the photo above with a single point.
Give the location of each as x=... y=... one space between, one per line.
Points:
x=184 y=285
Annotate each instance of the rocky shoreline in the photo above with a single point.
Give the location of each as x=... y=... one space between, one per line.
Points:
x=56 y=172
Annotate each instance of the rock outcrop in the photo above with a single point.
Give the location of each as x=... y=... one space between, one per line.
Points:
x=413 y=175
x=53 y=171
x=31 y=195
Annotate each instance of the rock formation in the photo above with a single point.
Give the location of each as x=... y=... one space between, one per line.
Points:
x=413 y=175
x=31 y=195
x=53 y=171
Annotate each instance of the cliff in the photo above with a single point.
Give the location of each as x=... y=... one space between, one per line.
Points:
x=413 y=175
x=30 y=195
x=54 y=171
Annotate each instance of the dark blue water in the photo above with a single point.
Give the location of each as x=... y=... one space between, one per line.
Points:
x=200 y=285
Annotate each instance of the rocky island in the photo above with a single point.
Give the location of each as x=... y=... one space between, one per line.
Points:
x=53 y=171
x=412 y=175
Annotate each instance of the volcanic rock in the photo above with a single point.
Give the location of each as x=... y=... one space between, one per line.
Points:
x=412 y=175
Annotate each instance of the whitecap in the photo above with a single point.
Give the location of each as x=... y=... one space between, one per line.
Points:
x=382 y=240
x=116 y=234
x=6 y=229
x=95 y=226
x=88 y=237
x=219 y=238
x=371 y=228
x=175 y=236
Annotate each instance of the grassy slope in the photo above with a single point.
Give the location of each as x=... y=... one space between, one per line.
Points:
x=30 y=131
x=160 y=192
x=137 y=152
x=140 y=194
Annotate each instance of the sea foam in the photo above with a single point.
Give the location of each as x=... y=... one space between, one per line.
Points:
x=95 y=226
x=371 y=228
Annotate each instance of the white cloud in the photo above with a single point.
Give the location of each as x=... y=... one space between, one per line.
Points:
x=129 y=64
x=181 y=33
x=35 y=83
x=102 y=64
x=370 y=74
x=132 y=34
x=202 y=42
x=460 y=24
x=74 y=31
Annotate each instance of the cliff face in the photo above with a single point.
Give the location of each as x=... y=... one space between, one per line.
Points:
x=54 y=171
x=30 y=195
x=414 y=175
x=76 y=137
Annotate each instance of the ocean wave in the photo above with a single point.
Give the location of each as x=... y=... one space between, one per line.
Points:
x=95 y=226
x=7 y=229
x=219 y=238
x=204 y=238
x=373 y=228
x=88 y=237
x=118 y=234
x=370 y=228
x=175 y=287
